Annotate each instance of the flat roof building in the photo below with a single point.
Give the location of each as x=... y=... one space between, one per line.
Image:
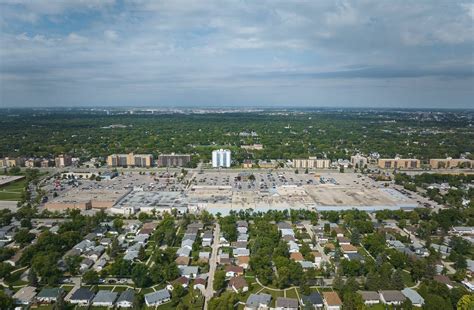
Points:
x=311 y=163
x=398 y=163
x=130 y=160
x=449 y=163
x=173 y=160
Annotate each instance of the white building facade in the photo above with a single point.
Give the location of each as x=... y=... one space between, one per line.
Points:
x=221 y=158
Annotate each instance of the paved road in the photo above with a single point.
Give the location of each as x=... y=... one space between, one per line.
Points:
x=209 y=292
x=309 y=230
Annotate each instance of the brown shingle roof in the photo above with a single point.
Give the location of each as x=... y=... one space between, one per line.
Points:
x=332 y=299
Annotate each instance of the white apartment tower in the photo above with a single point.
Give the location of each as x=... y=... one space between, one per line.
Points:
x=221 y=158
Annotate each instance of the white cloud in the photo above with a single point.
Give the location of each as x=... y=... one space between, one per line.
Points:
x=110 y=35
x=74 y=38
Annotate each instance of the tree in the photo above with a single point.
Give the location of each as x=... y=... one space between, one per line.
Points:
x=219 y=280
x=73 y=263
x=90 y=277
x=114 y=248
x=141 y=275
x=355 y=237
x=118 y=224
x=32 y=278
x=24 y=237
x=225 y=302
x=6 y=302
x=466 y=302
x=142 y=254
x=352 y=301
x=397 y=280
x=435 y=302
x=177 y=293
x=59 y=304
x=26 y=223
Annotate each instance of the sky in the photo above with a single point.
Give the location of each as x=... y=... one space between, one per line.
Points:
x=265 y=53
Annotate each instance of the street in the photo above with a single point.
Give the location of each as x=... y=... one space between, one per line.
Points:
x=209 y=292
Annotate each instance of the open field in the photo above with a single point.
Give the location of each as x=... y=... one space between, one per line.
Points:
x=12 y=191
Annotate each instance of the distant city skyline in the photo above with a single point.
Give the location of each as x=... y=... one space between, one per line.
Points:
x=397 y=54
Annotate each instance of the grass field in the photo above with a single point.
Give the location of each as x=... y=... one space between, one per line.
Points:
x=12 y=191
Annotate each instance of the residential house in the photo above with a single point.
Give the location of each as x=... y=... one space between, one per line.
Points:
x=306 y=264
x=25 y=295
x=207 y=238
x=104 y=299
x=369 y=297
x=157 y=298
x=82 y=297
x=313 y=300
x=348 y=248
x=86 y=264
x=343 y=240
x=242 y=227
x=238 y=284
x=258 y=301
x=183 y=281
x=49 y=295
x=189 y=271
x=332 y=301
x=415 y=298
x=392 y=297
x=243 y=261
x=182 y=261
x=200 y=284
x=183 y=251
x=241 y=252
x=444 y=280
x=296 y=256
x=242 y=238
x=233 y=271
x=293 y=247
x=187 y=243
x=283 y=303
x=126 y=299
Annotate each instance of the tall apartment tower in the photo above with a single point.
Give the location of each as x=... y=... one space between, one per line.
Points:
x=221 y=158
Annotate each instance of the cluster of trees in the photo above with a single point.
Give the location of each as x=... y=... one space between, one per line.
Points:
x=335 y=134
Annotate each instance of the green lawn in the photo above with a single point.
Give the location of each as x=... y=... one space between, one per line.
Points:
x=291 y=293
x=407 y=279
x=12 y=191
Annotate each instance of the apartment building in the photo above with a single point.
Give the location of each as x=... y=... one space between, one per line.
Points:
x=130 y=160
x=221 y=158
x=63 y=161
x=311 y=163
x=11 y=162
x=359 y=161
x=449 y=163
x=173 y=160
x=398 y=163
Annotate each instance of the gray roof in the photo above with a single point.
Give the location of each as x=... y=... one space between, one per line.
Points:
x=105 y=296
x=413 y=295
x=393 y=295
x=312 y=299
x=286 y=302
x=154 y=297
x=82 y=293
x=306 y=264
x=255 y=300
x=184 y=251
x=369 y=295
x=128 y=295
x=188 y=270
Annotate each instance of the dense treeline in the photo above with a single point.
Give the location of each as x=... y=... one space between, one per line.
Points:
x=284 y=135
